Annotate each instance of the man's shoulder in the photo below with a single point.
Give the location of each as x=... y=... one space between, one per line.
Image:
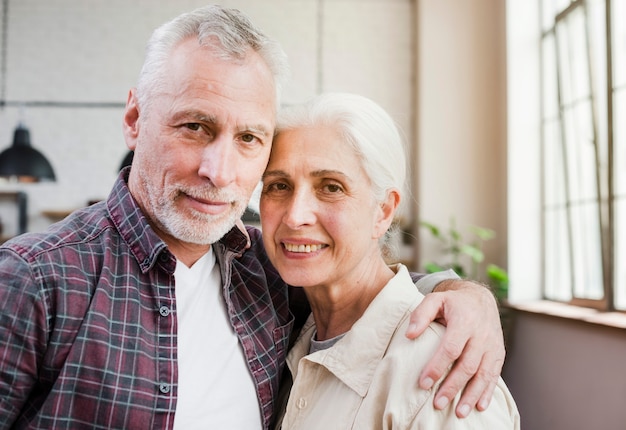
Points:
x=80 y=227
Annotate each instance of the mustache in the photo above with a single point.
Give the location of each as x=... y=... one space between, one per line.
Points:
x=209 y=192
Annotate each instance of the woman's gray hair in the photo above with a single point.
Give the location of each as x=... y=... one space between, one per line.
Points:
x=227 y=29
x=369 y=130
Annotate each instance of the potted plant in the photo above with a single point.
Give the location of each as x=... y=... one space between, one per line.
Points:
x=464 y=254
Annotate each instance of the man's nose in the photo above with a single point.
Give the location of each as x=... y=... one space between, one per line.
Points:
x=219 y=162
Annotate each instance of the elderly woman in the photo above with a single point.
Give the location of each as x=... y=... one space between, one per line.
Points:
x=333 y=184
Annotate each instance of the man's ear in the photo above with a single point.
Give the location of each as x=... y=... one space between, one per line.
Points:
x=131 y=120
x=386 y=212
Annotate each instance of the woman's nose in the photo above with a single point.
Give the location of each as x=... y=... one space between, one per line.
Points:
x=300 y=210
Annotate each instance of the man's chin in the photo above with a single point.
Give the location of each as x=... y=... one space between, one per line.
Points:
x=203 y=232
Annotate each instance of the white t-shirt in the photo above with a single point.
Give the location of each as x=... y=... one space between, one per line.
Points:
x=215 y=387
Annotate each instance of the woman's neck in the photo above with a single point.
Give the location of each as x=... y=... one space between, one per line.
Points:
x=337 y=307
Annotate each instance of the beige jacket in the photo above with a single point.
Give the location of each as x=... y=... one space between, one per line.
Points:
x=368 y=379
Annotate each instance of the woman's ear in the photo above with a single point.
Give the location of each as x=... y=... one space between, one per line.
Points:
x=387 y=212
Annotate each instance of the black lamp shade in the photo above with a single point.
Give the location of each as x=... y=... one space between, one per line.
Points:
x=23 y=161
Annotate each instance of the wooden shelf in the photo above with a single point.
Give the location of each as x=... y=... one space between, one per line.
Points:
x=56 y=215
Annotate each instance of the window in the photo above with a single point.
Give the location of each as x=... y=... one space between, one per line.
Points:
x=583 y=151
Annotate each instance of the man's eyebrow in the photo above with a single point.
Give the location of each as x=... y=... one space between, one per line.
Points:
x=257 y=129
x=196 y=115
x=212 y=119
x=316 y=173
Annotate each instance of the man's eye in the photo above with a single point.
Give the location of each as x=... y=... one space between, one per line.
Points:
x=194 y=126
x=248 y=138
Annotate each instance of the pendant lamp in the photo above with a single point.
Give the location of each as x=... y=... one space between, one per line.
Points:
x=23 y=162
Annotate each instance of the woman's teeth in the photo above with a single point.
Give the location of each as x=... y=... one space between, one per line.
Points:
x=302 y=248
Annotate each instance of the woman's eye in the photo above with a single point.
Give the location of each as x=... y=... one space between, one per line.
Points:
x=275 y=187
x=334 y=188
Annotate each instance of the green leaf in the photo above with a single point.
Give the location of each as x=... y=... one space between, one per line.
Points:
x=433 y=268
x=474 y=253
x=434 y=230
x=497 y=273
x=455 y=235
x=459 y=270
x=483 y=233
x=499 y=280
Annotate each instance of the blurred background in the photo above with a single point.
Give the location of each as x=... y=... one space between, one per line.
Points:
x=486 y=93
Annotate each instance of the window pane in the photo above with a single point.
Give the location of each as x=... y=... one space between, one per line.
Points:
x=597 y=43
x=558 y=279
x=554 y=173
x=619 y=142
x=618 y=23
x=573 y=59
x=580 y=153
x=549 y=78
x=587 y=253
x=620 y=253
x=550 y=9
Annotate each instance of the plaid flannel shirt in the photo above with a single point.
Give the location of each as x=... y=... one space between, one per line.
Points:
x=88 y=326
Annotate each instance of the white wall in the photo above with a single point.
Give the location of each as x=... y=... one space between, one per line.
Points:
x=461 y=127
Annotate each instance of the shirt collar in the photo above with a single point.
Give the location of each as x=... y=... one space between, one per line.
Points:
x=144 y=243
x=146 y=246
x=354 y=358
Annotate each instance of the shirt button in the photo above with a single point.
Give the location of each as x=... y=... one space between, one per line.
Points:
x=164 y=388
x=301 y=403
x=164 y=311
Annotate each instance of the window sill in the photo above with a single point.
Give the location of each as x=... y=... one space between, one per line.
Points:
x=578 y=313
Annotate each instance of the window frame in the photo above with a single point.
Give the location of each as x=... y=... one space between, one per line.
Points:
x=605 y=173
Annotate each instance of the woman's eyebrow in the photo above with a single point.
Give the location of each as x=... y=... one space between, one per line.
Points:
x=275 y=173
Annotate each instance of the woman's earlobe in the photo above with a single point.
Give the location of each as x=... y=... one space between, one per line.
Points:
x=387 y=211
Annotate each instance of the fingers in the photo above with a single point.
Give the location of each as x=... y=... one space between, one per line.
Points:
x=460 y=374
x=481 y=381
x=485 y=399
x=472 y=347
x=452 y=343
x=426 y=312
